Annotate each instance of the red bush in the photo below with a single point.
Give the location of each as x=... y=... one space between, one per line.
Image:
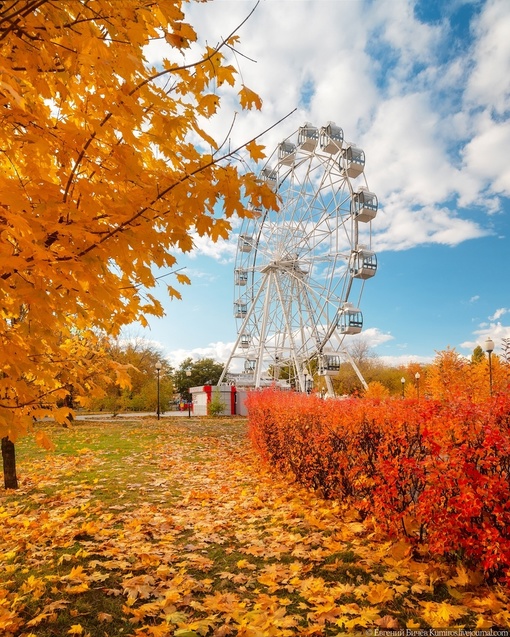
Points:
x=432 y=471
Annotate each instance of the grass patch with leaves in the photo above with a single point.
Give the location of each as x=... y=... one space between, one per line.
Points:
x=172 y=528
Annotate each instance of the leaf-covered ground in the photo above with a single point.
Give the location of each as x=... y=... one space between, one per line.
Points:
x=173 y=528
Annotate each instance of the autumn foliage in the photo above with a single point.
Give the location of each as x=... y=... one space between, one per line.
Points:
x=174 y=529
x=107 y=171
x=430 y=471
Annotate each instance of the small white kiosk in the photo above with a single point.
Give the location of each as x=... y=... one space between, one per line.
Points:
x=203 y=395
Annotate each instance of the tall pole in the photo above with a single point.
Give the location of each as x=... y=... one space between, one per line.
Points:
x=190 y=396
x=403 y=381
x=158 y=370
x=417 y=376
x=489 y=348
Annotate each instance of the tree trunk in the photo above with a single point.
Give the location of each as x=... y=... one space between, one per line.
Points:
x=9 y=459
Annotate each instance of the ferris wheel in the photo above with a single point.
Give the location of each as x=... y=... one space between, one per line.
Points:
x=300 y=271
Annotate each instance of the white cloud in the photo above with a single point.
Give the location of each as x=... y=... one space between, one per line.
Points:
x=497 y=332
x=488 y=85
x=404 y=154
x=404 y=359
x=499 y=313
x=474 y=298
x=493 y=329
x=219 y=351
x=372 y=336
x=486 y=155
x=399 y=228
x=223 y=250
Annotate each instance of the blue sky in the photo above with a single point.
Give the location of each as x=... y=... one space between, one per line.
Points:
x=424 y=88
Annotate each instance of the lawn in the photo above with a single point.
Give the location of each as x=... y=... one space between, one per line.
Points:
x=173 y=528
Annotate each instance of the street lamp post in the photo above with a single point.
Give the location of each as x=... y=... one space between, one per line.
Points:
x=188 y=374
x=305 y=374
x=403 y=381
x=158 y=370
x=489 y=348
x=417 y=376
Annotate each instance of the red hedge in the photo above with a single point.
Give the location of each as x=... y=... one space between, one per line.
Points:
x=431 y=471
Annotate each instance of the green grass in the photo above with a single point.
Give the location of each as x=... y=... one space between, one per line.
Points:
x=145 y=528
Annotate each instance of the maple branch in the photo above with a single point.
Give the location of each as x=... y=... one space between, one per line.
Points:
x=162 y=276
x=227 y=136
x=126 y=224
x=141 y=85
x=208 y=58
x=14 y=18
x=246 y=57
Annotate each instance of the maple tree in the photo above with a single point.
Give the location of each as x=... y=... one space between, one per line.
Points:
x=451 y=375
x=106 y=170
x=139 y=358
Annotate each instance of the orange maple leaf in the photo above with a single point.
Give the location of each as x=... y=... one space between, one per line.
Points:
x=249 y=98
x=255 y=150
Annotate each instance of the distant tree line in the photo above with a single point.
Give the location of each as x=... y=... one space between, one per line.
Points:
x=139 y=360
x=449 y=374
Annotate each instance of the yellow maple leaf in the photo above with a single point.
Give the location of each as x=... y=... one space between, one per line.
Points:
x=225 y=74
x=255 y=150
x=76 y=629
x=441 y=614
x=76 y=590
x=387 y=622
x=42 y=440
x=249 y=98
x=483 y=623
x=380 y=593
x=208 y=105
x=366 y=618
x=183 y=279
x=173 y=293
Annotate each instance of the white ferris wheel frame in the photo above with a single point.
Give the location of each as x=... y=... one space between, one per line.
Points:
x=300 y=271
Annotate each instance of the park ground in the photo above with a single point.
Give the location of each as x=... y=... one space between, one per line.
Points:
x=174 y=528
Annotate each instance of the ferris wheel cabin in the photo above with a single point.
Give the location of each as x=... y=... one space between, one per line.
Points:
x=241 y=277
x=364 y=205
x=245 y=243
x=287 y=153
x=350 y=319
x=331 y=138
x=240 y=309
x=269 y=175
x=363 y=264
x=308 y=136
x=329 y=365
x=245 y=341
x=353 y=160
